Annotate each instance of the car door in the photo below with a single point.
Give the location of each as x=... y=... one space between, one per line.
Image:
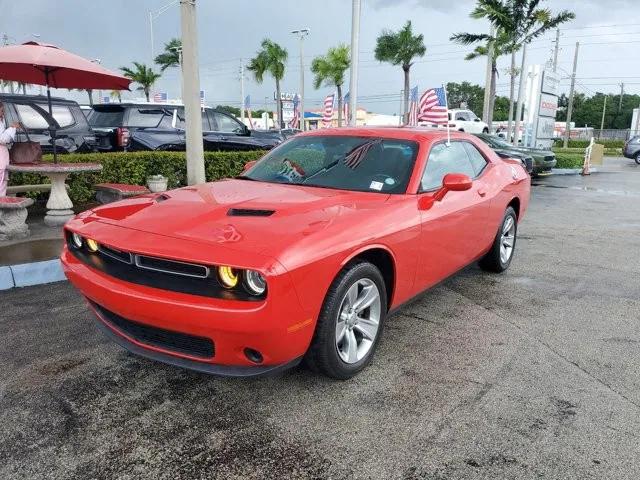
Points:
x=232 y=134
x=454 y=230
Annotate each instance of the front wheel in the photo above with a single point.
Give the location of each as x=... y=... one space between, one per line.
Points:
x=499 y=257
x=638 y=158
x=350 y=322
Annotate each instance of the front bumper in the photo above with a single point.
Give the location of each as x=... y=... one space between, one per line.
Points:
x=277 y=327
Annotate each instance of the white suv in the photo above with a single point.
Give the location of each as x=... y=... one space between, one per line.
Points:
x=466 y=121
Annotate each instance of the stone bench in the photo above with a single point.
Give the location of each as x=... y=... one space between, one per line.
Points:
x=112 y=192
x=13 y=217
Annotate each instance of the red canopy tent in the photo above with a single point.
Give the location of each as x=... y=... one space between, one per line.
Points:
x=43 y=64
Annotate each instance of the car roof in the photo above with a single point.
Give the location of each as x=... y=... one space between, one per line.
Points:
x=19 y=98
x=401 y=133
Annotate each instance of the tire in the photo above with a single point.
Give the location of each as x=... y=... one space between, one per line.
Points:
x=461 y=129
x=494 y=260
x=638 y=158
x=485 y=130
x=334 y=358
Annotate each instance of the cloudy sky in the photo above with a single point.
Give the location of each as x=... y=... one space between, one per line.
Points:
x=117 y=32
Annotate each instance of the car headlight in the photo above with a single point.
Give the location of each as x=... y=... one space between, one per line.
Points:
x=254 y=282
x=228 y=276
x=92 y=245
x=76 y=240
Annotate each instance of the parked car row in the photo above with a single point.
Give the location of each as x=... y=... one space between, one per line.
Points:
x=543 y=160
x=127 y=126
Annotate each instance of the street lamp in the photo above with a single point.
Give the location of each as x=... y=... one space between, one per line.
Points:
x=153 y=14
x=303 y=32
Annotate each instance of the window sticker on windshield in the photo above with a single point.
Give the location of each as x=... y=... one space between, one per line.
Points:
x=376 y=185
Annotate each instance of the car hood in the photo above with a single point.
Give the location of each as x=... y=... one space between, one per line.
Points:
x=241 y=214
x=534 y=151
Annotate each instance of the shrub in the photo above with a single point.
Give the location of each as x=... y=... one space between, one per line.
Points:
x=608 y=143
x=569 y=160
x=135 y=167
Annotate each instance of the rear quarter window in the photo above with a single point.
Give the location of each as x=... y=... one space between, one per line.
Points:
x=106 y=118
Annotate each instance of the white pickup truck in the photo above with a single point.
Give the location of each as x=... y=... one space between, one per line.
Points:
x=466 y=121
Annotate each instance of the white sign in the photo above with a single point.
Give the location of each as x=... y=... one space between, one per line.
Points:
x=546 y=128
x=550 y=83
x=548 y=105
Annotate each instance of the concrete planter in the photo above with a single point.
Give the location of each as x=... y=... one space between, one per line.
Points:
x=157 y=183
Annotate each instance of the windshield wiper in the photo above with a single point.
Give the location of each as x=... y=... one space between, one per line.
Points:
x=322 y=170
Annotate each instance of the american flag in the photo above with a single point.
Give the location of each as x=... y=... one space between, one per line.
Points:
x=296 y=112
x=247 y=107
x=433 y=106
x=413 y=107
x=355 y=156
x=328 y=110
x=160 y=97
x=345 y=108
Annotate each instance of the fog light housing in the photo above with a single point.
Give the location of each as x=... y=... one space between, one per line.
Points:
x=254 y=282
x=92 y=245
x=76 y=240
x=228 y=276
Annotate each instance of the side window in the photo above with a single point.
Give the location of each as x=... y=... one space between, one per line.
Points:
x=475 y=157
x=462 y=116
x=472 y=116
x=205 y=121
x=226 y=124
x=443 y=160
x=30 y=117
x=61 y=113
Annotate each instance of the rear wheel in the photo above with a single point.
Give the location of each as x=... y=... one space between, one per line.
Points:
x=350 y=322
x=499 y=257
x=485 y=130
x=638 y=158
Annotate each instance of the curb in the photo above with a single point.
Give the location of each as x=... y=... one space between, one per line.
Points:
x=28 y=274
x=570 y=171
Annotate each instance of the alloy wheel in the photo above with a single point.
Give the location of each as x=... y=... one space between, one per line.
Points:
x=358 y=321
x=507 y=239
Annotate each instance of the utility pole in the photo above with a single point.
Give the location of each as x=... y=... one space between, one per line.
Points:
x=303 y=32
x=401 y=106
x=621 y=95
x=567 y=129
x=191 y=83
x=353 y=81
x=487 y=79
x=151 y=34
x=556 y=48
x=516 y=133
x=242 y=91
x=604 y=109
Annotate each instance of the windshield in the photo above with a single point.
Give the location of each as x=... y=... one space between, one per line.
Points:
x=106 y=118
x=343 y=162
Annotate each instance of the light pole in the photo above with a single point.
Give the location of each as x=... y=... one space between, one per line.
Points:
x=303 y=32
x=153 y=14
x=191 y=84
x=353 y=80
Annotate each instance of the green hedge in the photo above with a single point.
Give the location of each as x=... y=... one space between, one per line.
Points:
x=585 y=143
x=569 y=160
x=135 y=167
x=608 y=152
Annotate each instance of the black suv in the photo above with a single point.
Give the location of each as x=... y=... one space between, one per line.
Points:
x=155 y=126
x=73 y=133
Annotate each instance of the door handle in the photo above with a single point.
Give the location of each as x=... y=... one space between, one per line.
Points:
x=482 y=192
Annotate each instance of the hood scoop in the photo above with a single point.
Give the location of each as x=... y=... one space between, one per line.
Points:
x=249 y=212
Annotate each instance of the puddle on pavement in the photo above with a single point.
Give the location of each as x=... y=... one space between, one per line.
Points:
x=30 y=251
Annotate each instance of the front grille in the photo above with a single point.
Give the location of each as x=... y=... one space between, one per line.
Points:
x=116 y=254
x=159 y=337
x=171 y=266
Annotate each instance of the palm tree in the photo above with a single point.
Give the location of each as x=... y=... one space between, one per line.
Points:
x=116 y=94
x=329 y=69
x=498 y=44
x=399 y=48
x=270 y=59
x=520 y=21
x=171 y=55
x=144 y=76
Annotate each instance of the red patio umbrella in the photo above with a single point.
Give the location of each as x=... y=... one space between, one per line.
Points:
x=43 y=64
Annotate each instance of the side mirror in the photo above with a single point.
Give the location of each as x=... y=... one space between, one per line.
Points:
x=249 y=165
x=456 y=182
x=452 y=182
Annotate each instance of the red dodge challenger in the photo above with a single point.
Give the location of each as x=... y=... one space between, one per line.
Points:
x=302 y=256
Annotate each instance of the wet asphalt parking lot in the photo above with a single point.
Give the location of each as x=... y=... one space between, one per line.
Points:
x=531 y=374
